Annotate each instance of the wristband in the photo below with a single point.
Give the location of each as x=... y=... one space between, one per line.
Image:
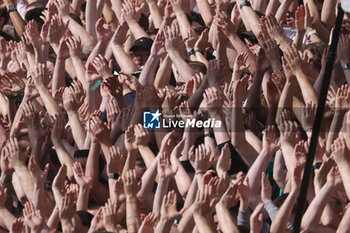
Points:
x=309 y=34
x=209 y=135
x=317 y=165
x=11 y=8
x=199 y=51
x=96 y=85
x=246 y=3
x=113 y=176
x=190 y=53
x=346 y=66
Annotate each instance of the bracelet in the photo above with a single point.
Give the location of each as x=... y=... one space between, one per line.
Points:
x=346 y=66
x=246 y=3
x=199 y=51
x=113 y=176
x=191 y=52
x=209 y=135
x=309 y=34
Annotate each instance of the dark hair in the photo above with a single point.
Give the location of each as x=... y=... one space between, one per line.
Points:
x=5 y=14
x=34 y=14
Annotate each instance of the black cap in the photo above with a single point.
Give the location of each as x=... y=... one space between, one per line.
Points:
x=143 y=42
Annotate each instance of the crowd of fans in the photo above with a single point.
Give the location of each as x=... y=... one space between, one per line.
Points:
x=76 y=79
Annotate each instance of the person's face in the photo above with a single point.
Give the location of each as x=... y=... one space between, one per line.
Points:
x=289 y=20
x=139 y=56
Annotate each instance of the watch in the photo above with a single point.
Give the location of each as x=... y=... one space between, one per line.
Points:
x=113 y=176
x=346 y=66
x=11 y=8
x=246 y=3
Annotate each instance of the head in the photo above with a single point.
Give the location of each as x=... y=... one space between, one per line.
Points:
x=337 y=211
x=140 y=51
x=313 y=52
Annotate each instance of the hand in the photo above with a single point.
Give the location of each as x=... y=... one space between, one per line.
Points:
x=243 y=186
x=130 y=81
x=340 y=152
x=103 y=35
x=201 y=160
x=6 y=168
x=39 y=74
x=191 y=39
x=173 y=41
x=272 y=53
x=204 y=202
x=58 y=97
x=158 y=46
x=223 y=22
x=84 y=113
x=30 y=91
x=114 y=161
x=74 y=46
x=168 y=210
x=293 y=59
x=131 y=12
x=13 y=153
x=240 y=90
x=164 y=169
x=266 y=189
x=289 y=134
x=58 y=183
x=308 y=116
x=296 y=179
x=129 y=139
x=69 y=103
x=331 y=96
x=110 y=215
x=99 y=130
x=147 y=98
x=142 y=135
x=11 y=84
x=344 y=48
x=224 y=161
x=279 y=79
x=97 y=222
x=202 y=42
x=33 y=34
x=308 y=18
x=342 y=100
x=131 y=186
x=62 y=7
x=256 y=219
x=300 y=19
x=228 y=199
x=84 y=182
x=274 y=29
x=240 y=64
x=17 y=226
x=262 y=63
x=101 y=66
x=213 y=73
x=3 y=195
x=57 y=131
x=120 y=35
x=63 y=50
x=171 y=101
x=321 y=174
x=272 y=95
x=56 y=29
x=33 y=217
x=32 y=120
x=124 y=118
x=38 y=175
x=148 y=223
x=67 y=209
x=112 y=110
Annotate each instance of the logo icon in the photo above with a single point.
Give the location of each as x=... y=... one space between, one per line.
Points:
x=151 y=120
